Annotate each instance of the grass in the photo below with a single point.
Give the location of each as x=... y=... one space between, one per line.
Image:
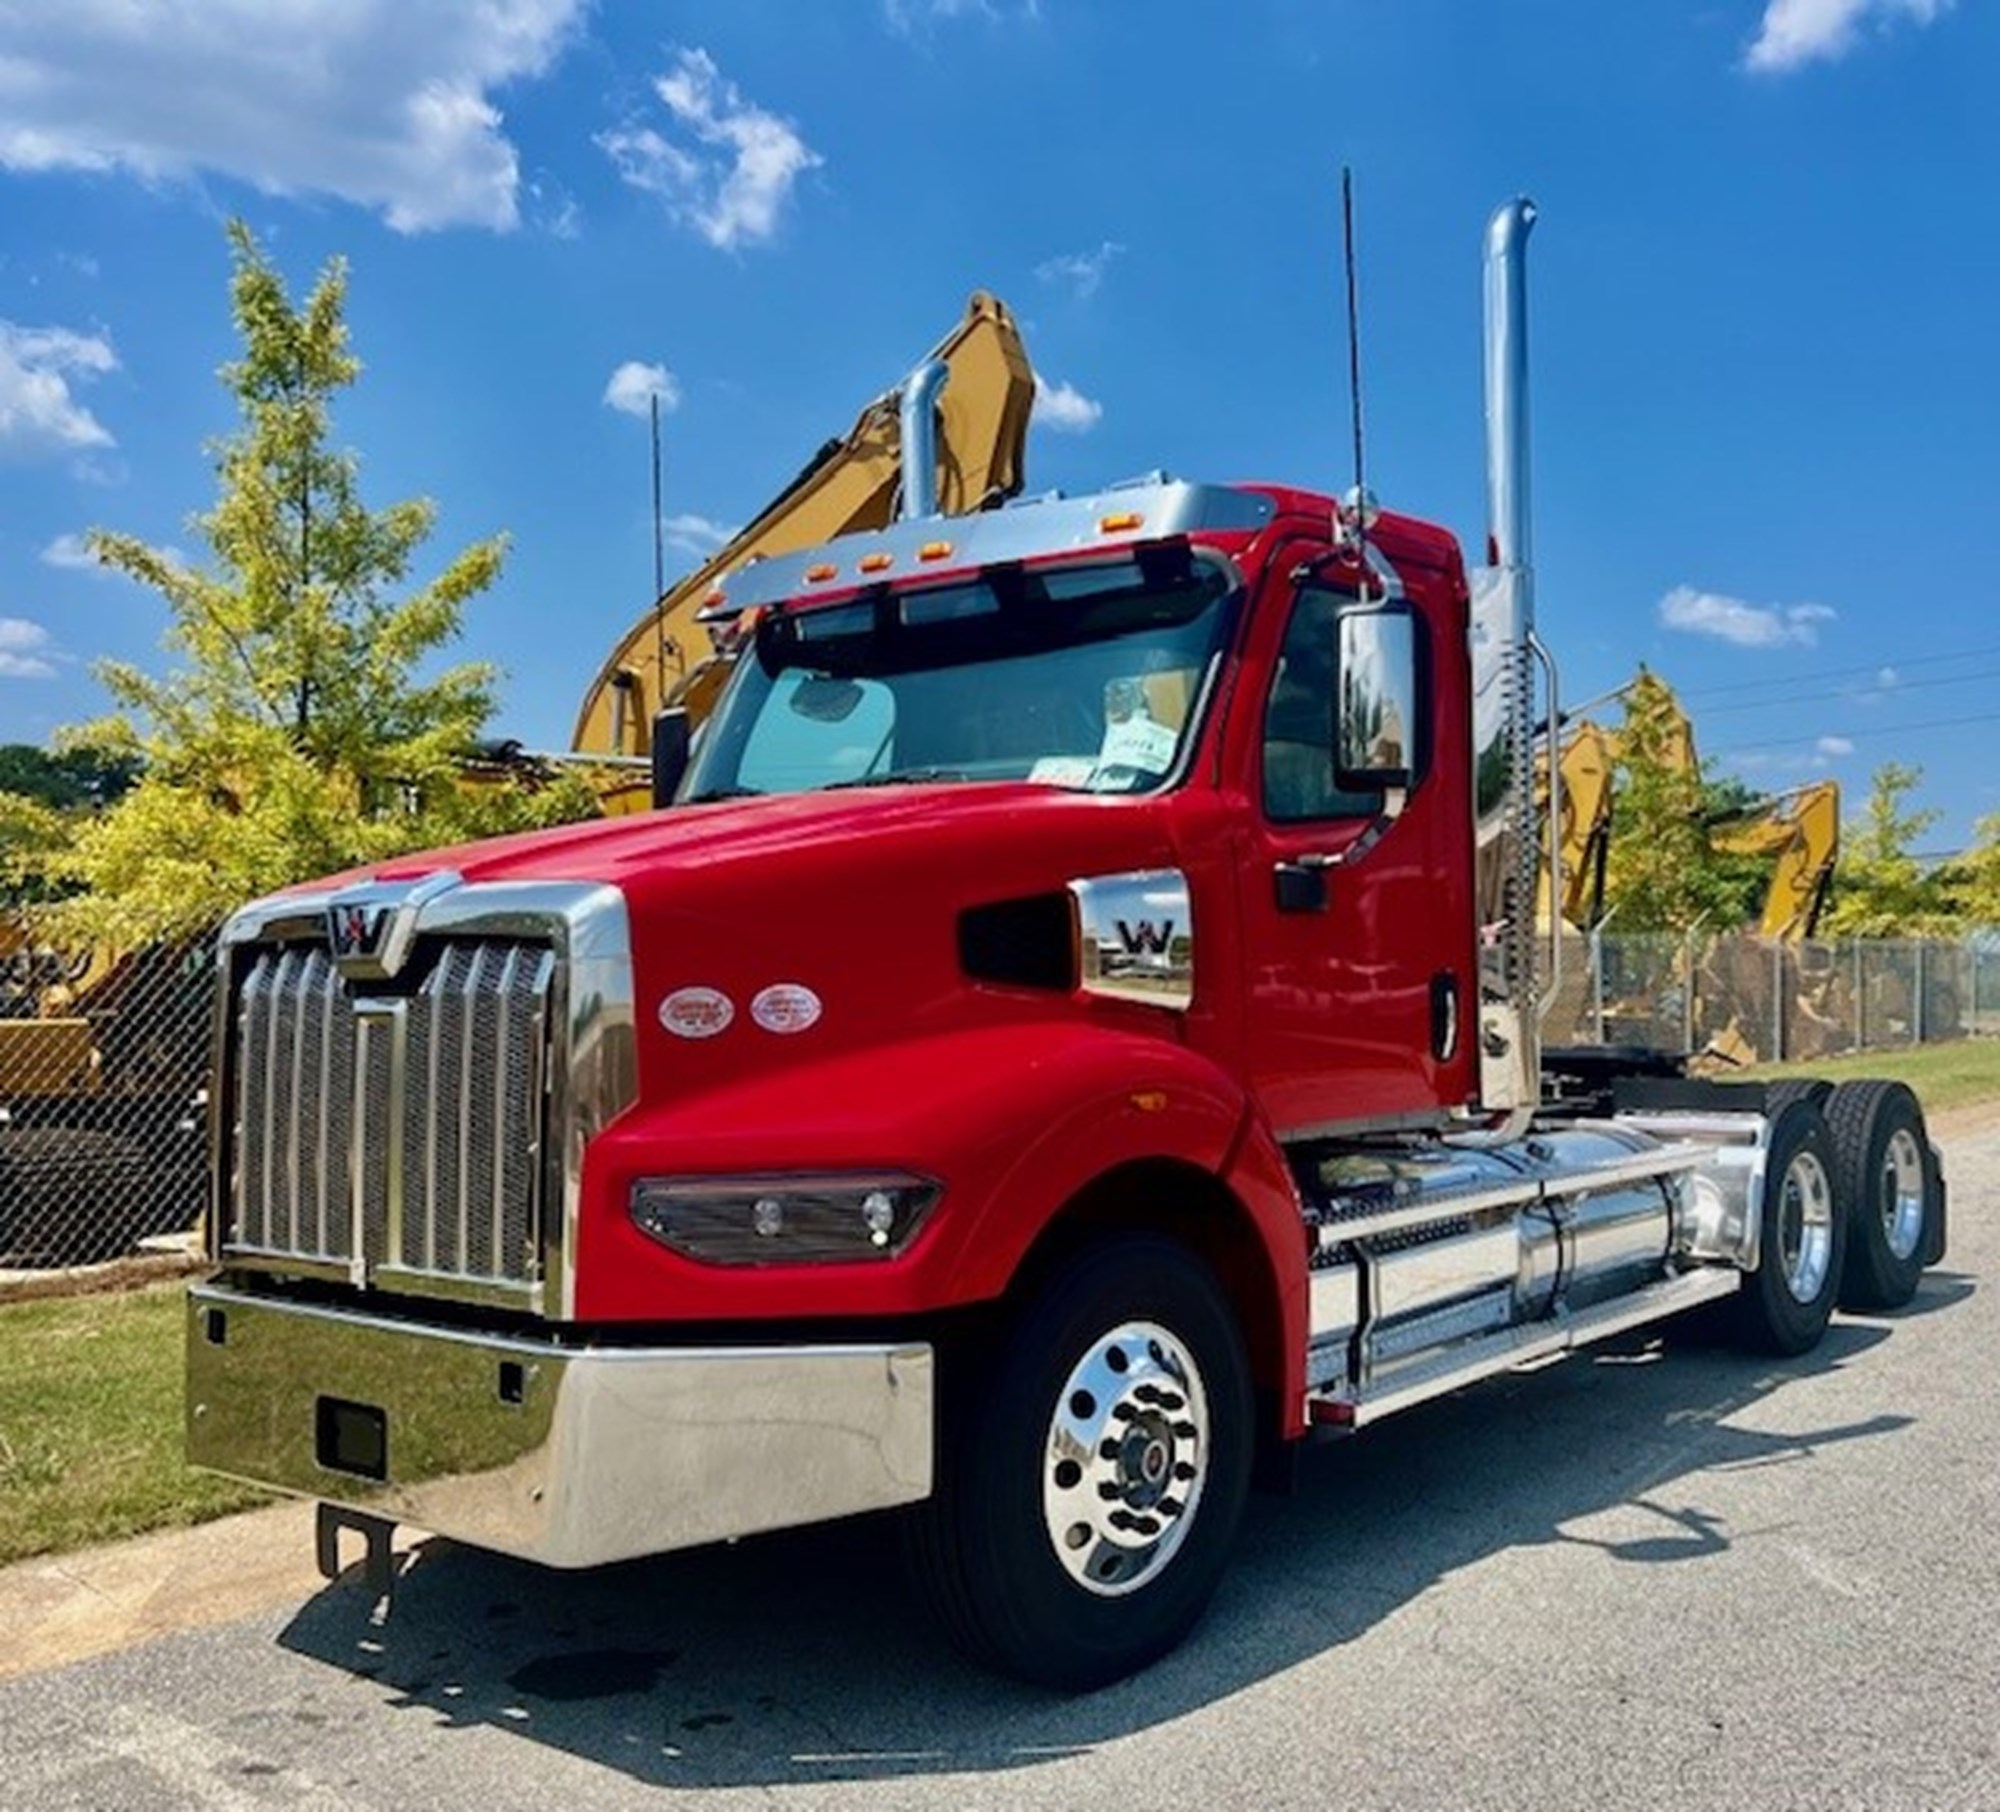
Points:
x=1943 y=1075
x=91 y=1408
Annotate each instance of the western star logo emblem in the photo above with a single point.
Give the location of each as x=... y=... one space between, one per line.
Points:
x=1144 y=937
x=356 y=930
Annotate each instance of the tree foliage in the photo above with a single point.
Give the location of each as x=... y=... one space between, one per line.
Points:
x=1663 y=872
x=1880 y=887
x=305 y=725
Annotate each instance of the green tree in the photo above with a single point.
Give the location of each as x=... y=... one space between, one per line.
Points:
x=1662 y=872
x=1880 y=889
x=306 y=725
x=67 y=780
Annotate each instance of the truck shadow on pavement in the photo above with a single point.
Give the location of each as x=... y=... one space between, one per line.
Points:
x=802 y=1657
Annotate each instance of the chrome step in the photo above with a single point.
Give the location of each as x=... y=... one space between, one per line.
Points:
x=1470 y=1361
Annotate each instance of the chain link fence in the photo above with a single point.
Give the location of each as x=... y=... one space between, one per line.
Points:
x=1747 y=999
x=104 y=1057
x=103 y=1097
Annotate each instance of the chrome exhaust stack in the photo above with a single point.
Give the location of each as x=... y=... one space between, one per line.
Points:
x=1504 y=654
x=919 y=436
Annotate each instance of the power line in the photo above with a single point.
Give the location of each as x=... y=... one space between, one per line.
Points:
x=1826 y=673
x=1874 y=732
x=1804 y=698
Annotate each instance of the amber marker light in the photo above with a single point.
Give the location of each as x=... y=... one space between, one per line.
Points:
x=876 y=563
x=817 y=574
x=1150 y=1101
x=934 y=550
x=1119 y=522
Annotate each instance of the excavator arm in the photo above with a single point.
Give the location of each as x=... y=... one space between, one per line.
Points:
x=1801 y=831
x=1798 y=830
x=667 y=658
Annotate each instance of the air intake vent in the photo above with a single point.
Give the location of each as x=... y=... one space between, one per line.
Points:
x=1029 y=943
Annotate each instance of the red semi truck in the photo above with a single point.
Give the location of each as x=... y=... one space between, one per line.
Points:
x=1073 y=1033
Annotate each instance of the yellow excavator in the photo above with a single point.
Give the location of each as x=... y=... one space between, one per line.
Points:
x=971 y=397
x=1798 y=830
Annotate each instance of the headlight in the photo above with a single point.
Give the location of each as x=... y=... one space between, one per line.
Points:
x=784 y=1220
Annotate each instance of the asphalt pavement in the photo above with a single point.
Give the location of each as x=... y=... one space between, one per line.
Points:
x=1660 y=1574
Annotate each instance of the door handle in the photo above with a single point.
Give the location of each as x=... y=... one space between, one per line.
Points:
x=1301 y=883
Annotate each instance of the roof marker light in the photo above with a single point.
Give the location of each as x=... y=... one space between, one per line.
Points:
x=816 y=574
x=1120 y=521
x=875 y=563
x=934 y=550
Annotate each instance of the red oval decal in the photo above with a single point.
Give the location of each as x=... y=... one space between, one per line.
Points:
x=785 y=1007
x=697 y=1012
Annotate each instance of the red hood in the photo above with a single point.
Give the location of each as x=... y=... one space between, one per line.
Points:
x=634 y=851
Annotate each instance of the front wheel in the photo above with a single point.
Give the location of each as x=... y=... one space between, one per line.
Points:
x=1093 y=1474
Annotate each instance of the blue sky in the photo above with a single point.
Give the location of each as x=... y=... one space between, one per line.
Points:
x=1766 y=286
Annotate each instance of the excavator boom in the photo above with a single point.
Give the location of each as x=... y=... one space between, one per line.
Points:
x=666 y=658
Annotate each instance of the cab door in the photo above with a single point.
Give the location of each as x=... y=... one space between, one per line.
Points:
x=1356 y=934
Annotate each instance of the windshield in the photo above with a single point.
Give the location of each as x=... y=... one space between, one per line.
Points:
x=1086 y=677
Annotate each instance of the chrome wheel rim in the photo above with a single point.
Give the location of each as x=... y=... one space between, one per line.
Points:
x=1902 y=1197
x=1805 y=1226
x=1126 y=1458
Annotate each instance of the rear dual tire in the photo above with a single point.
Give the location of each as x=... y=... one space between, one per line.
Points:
x=1886 y=1179
x=1785 y=1304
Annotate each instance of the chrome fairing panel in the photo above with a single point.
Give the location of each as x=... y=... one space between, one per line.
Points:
x=565 y=1456
x=534 y=983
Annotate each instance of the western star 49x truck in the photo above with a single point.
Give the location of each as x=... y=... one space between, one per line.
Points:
x=1073 y=1033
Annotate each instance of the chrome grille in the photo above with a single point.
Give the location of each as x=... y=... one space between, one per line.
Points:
x=400 y=1133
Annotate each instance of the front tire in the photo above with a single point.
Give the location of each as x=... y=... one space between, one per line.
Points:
x=1786 y=1302
x=1093 y=1471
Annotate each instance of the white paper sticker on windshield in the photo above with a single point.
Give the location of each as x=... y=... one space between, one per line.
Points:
x=1137 y=742
x=1062 y=770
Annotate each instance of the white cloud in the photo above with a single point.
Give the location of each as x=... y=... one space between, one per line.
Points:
x=380 y=102
x=732 y=190
x=20 y=646
x=696 y=535
x=38 y=413
x=633 y=386
x=1747 y=625
x=1082 y=271
x=1887 y=678
x=71 y=553
x=1834 y=745
x=909 y=16
x=1797 y=32
x=1065 y=408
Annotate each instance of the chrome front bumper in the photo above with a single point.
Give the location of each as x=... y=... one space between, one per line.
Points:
x=571 y=1457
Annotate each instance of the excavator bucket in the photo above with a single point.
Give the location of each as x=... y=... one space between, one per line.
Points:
x=667 y=657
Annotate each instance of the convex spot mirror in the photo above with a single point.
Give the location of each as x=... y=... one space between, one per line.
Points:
x=1375 y=724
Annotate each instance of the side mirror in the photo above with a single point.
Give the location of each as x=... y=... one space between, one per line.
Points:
x=670 y=754
x=1374 y=735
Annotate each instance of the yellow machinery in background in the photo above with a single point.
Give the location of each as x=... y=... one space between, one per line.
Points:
x=1799 y=830
x=667 y=657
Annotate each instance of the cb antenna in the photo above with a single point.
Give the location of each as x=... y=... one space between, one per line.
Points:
x=1357 y=512
x=659 y=569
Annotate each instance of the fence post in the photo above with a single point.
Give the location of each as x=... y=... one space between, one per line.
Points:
x=1687 y=991
x=1917 y=1005
x=1972 y=1009
x=1597 y=980
x=1860 y=1000
x=1777 y=1000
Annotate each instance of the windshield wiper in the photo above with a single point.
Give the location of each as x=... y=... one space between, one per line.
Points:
x=897 y=777
x=716 y=793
